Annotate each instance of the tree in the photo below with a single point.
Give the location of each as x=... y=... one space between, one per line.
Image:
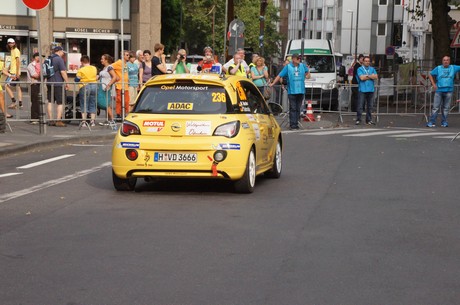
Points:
x=202 y=18
x=170 y=24
x=441 y=23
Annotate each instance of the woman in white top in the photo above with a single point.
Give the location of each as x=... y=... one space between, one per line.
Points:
x=107 y=78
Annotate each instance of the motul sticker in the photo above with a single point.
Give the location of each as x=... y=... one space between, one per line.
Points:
x=154 y=126
x=154 y=123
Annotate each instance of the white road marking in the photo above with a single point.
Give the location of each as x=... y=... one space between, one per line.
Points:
x=44 y=161
x=370 y=134
x=424 y=134
x=47 y=184
x=9 y=174
x=329 y=132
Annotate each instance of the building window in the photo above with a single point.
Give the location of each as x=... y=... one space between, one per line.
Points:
x=300 y=35
x=311 y=14
x=318 y=35
x=300 y=15
x=16 y=8
x=330 y=13
x=320 y=14
x=329 y=36
x=398 y=2
x=383 y=2
x=101 y=9
x=381 y=29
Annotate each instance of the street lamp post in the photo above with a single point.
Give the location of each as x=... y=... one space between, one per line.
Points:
x=351 y=29
x=356 y=35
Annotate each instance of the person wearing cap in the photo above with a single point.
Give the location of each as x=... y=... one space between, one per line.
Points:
x=296 y=72
x=206 y=63
x=33 y=78
x=56 y=86
x=13 y=73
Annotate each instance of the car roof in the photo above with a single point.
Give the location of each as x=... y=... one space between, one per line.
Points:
x=201 y=78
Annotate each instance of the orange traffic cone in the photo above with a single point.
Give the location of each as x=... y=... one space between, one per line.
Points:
x=309 y=117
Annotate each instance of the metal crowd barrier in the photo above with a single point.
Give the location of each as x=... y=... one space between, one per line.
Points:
x=389 y=99
x=72 y=109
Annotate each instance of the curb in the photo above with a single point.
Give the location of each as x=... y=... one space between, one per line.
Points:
x=21 y=148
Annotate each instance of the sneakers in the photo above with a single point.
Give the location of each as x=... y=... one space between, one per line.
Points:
x=92 y=124
x=370 y=123
x=12 y=106
x=444 y=124
x=430 y=125
x=358 y=122
x=34 y=122
x=51 y=123
x=20 y=105
x=60 y=124
x=106 y=123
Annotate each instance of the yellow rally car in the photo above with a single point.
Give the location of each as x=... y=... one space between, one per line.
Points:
x=198 y=126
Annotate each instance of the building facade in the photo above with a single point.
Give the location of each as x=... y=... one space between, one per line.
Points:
x=81 y=27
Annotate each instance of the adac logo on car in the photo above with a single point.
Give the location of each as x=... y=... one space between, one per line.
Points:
x=175 y=127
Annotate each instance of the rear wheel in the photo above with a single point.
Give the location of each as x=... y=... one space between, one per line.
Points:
x=121 y=184
x=247 y=182
x=275 y=172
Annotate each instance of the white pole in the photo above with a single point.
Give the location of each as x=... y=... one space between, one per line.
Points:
x=122 y=64
x=224 y=59
x=40 y=96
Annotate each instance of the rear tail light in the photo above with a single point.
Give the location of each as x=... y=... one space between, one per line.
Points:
x=228 y=130
x=128 y=128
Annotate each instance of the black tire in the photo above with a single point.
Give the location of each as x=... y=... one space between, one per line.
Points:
x=247 y=182
x=275 y=172
x=121 y=184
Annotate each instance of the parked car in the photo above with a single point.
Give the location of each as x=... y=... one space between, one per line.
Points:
x=198 y=126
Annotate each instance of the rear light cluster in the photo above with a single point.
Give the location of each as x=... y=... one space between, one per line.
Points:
x=131 y=154
x=228 y=130
x=128 y=128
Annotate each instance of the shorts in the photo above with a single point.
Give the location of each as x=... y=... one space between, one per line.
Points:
x=57 y=93
x=11 y=82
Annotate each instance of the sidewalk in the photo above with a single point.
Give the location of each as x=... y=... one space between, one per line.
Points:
x=25 y=136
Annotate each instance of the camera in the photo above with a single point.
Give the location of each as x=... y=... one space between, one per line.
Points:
x=181 y=56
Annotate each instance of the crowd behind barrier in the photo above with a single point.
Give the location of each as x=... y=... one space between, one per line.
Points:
x=389 y=99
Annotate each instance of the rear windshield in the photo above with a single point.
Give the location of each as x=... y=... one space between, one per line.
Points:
x=183 y=99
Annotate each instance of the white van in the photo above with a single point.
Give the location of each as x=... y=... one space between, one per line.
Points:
x=319 y=56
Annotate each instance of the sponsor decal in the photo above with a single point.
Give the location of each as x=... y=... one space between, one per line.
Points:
x=245 y=125
x=230 y=146
x=198 y=128
x=154 y=126
x=256 y=129
x=251 y=117
x=146 y=158
x=149 y=123
x=182 y=87
x=130 y=144
x=180 y=106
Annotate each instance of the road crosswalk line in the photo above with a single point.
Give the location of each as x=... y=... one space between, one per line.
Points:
x=378 y=133
x=422 y=134
x=341 y=131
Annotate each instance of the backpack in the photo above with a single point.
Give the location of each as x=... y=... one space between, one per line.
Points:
x=48 y=68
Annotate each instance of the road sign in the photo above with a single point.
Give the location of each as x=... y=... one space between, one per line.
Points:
x=456 y=41
x=36 y=4
x=390 y=50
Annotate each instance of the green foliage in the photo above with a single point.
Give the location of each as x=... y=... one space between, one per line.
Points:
x=197 y=25
x=170 y=27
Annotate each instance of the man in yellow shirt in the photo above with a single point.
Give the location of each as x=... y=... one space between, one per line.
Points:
x=117 y=67
x=13 y=73
x=87 y=77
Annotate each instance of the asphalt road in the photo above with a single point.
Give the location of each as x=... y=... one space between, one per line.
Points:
x=354 y=219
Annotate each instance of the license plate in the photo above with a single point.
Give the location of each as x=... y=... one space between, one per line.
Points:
x=175 y=157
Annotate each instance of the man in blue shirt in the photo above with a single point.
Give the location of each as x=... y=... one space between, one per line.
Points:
x=296 y=72
x=444 y=86
x=366 y=77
